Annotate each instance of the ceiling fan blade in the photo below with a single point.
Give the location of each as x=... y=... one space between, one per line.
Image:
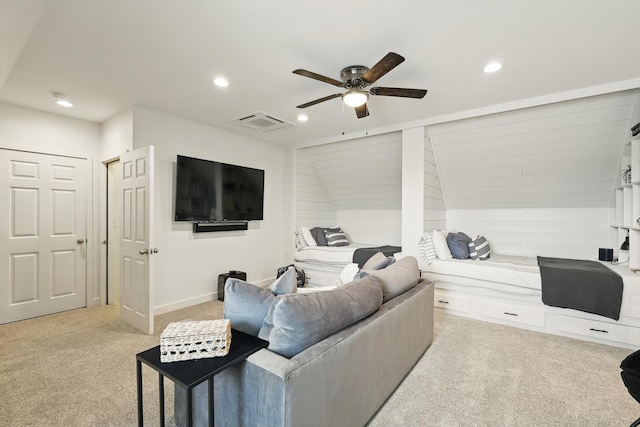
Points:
x=316 y=76
x=362 y=111
x=386 y=64
x=398 y=91
x=317 y=101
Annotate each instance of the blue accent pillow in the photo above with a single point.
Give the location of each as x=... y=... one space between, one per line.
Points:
x=458 y=245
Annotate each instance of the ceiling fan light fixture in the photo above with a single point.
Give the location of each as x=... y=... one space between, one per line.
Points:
x=355 y=98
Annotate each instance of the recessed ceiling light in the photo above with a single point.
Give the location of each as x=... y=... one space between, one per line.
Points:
x=492 y=67
x=61 y=99
x=221 y=82
x=302 y=118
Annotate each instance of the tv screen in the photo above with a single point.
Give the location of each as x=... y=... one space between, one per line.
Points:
x=214 y=191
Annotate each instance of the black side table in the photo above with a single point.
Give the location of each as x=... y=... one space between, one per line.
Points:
x=190 y=373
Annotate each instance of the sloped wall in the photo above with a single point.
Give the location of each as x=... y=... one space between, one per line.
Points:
x=358 y=182
x=562 y=155
x=537 y=181
x=314 y=206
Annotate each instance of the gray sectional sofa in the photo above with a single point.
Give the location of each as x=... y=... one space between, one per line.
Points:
x=341 y=380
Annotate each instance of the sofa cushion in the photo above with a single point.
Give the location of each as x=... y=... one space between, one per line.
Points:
x=399 y=277
x=297 y=321
x=246 y=305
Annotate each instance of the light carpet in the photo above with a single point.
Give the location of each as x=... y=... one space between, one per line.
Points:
x=78 y=369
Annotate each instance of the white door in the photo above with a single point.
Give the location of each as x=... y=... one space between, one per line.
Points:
x=136 y=252
x=42 y=234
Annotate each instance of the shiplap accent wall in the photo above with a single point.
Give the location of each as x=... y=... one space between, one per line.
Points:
x=435 y=214
x=562 y=232
x=313 y=204
x=355 y=184
x=372 y=226
x=362 y=173
x=562 y=155
x=289 y=204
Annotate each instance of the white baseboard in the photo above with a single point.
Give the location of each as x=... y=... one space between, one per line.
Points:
x=167 y=308
x=213 y=296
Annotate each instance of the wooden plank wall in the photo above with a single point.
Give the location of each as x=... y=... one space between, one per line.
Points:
x=561 y=155
x=434 y=207
x=356 y=184
x=565 y=233
x=289 y=208
x=313 y=204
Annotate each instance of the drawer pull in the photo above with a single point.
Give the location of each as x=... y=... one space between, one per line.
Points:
x=443 y=302
x=598 y=330
x=511 y=314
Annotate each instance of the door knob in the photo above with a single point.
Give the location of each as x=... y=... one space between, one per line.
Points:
x=80 y=241
x=144 y=252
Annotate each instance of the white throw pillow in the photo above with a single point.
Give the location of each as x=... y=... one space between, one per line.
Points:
x=426 y=248
x=308 y=238
x=347 y=274
x=440 y=245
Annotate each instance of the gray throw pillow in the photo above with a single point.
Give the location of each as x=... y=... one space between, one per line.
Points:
x=459 y=245
x=397 y=278
x=479 y=248
x=336 y=237
x=378 y=261
x=318 y=235
x=246 y=305
x=297 y=321
x=285 y=284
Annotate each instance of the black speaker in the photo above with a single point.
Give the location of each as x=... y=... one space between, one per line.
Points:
x=605 y=254
x=222 y=279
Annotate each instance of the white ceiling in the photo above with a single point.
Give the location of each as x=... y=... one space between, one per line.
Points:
x=108 y=55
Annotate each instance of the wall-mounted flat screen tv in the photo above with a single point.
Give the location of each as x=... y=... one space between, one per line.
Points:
x=213 y=191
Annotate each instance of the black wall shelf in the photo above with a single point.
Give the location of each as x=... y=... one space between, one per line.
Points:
x=208 y=227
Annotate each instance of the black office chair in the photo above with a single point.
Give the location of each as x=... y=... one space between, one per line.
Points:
x=631 y=377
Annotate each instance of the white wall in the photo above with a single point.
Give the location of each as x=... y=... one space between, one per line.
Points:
x=32 y=130
x=563 y=232
x=372 y=226
x=188 y=264
x=434 y=207
x=314 y=206
x=117 y=135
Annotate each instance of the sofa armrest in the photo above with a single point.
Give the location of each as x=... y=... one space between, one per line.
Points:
x=272 y=362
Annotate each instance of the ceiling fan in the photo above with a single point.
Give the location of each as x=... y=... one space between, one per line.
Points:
x=356 y=78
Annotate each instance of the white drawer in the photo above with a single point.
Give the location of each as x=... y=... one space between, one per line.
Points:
x=450 y=301
x=314 y=278
x=601 y=330
x=511 y=312
x=630 y=305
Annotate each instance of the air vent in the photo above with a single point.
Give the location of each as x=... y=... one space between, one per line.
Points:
x=261 y=122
